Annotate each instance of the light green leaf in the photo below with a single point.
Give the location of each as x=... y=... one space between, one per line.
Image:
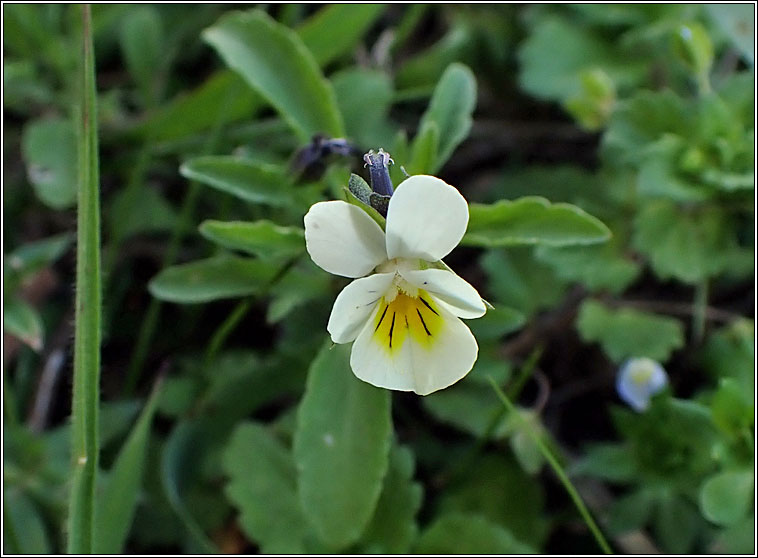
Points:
x=334 y=30
x=725 y=497
x=630 y=512
x=262 y=238
x=302 y=283
x=424 y=149
x=341 y=447
x=676 y=524
x=450 y=108
x=468 y=534
x=49 y=150
x=393 y=527
x=275 y=62
x=188 y=113
x=211 y=279
x=117 y=502
x=23 y=321
x=142 y=45
x=248 y=180
x=532 y=220
x=629 y=333
x=262 y=485
x=557 y=51
x=29 y=258
x=733 y=407
x=737 y=24
x=686 y=245
x=597 y=267
x=424 y=70
x=364 y=98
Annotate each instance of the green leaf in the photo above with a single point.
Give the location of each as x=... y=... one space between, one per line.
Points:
x=725 y=497
x=211 y=279
x=532 y=220
x=450 y=108
x=730 y=353
x=557 y=51
x=262 y=238
x=142 y=44
x=354 y=190
x=29 y=258
x=424 y=70
x=364 y=98
x=737 y=25
x=302 y=283
x=733 y=407
x=49 y=150
x=612 y=462
x=24 y=322
x=147 y=211
x=24 y=530
x=694 y=47
x=275 y=62
x=518 y=280
x=626 y=333
x=497 y=488
x=341 y=447
x=335 y=30
x=248 y=180
x=523 y=426
x=630 y=512
x=393 y=527
x=117 y=503
x=424 y=149
x=676 y=524
x=188 y=113
x=262 y=485
x=179 y=465
x=688 y=245
x=468 y=534
x=597 y=267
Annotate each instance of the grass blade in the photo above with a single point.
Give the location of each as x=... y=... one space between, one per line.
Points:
x=84 y=413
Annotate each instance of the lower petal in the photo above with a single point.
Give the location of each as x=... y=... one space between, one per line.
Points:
x=395 y=352
x=354 y=305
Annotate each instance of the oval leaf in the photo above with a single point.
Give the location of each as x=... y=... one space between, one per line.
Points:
x=261 y=238
x=23 y=321
x=725 y=497
x=532 y=220
x=275 y=62
x=211 y=279
x=341 y=446
x=248 y=180
x=49 y=150
x=450 y=108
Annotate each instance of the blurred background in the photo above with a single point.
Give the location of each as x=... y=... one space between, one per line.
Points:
x=640 y=115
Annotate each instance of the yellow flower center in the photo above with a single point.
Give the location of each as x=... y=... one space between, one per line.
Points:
x=404 y=315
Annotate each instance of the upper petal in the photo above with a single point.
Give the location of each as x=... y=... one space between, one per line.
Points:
x=462 y=298
x=426 y=219
x=342 y=239
x=355 y=304
x=414 y=366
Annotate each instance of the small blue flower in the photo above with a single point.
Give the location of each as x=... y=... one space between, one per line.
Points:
x=638 y=380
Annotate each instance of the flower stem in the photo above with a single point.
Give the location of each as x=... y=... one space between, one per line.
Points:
x=86 y=392
x=560 y=473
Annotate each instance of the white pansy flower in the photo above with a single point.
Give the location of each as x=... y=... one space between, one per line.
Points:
x=402 y=311
x=638 y=380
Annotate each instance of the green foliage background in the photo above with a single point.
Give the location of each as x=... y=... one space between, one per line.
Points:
x=607 y=153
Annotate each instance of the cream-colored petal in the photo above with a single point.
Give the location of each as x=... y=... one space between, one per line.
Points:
x=426 y=219
x=355 y=304
x=342 y=239
x=462 y=298
x=415 y=366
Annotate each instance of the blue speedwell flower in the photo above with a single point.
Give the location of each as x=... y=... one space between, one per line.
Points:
x=638 y=380
x=403 y=309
